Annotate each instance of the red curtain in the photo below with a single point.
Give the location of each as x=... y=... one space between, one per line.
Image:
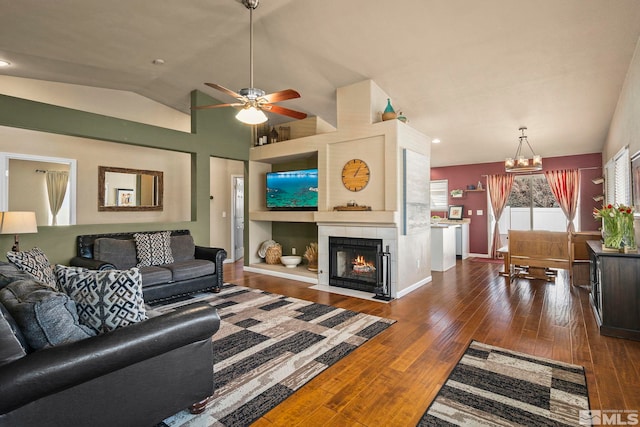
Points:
x=499 y=188
x=565 y=185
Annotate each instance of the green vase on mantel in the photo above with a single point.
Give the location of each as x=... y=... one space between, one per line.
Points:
x=389 y=113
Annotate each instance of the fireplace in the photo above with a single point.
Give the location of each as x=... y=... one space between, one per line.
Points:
x=360 y=264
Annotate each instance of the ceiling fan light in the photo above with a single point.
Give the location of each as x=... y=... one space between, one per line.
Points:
x=251 y=116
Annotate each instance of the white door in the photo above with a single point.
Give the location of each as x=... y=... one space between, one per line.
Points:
x=238 y=217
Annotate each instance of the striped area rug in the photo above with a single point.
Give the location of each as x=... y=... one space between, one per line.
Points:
x=492 y=386
x=268 y=346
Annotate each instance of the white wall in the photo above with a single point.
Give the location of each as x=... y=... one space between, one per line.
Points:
x=221 y=204
x=625 y=126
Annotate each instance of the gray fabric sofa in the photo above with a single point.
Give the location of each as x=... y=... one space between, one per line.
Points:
x=136 y=375
x=195 y=268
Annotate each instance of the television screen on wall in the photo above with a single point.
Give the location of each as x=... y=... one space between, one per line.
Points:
x=296 y=189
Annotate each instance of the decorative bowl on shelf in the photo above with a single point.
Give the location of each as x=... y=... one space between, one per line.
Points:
x=291 y=261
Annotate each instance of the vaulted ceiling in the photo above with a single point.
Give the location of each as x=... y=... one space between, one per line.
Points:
x=465 y=71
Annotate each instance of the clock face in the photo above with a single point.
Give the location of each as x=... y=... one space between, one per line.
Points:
x=355 y=175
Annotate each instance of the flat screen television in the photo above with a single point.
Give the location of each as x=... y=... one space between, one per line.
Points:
x=291 y=190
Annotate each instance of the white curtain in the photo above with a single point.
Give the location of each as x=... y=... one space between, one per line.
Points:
x=57 y=182
x=565 y=186
x=499 y=188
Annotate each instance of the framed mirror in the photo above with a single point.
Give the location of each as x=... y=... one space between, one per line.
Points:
x=121 y=189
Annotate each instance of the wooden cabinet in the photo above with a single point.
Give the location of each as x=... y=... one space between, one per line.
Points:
x=615 y=291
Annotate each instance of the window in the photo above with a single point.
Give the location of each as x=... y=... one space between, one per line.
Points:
x=618 y=178
x=439 y=195
x=532 y=206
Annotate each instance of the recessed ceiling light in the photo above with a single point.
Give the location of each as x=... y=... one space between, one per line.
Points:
x=4 y=63
x=158 y=61
x=435 y=141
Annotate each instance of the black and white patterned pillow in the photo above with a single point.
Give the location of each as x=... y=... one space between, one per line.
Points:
x=153 y=248
x=36 y=263
x=105 y=300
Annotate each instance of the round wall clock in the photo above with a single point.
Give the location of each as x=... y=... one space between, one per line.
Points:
x=355 y=175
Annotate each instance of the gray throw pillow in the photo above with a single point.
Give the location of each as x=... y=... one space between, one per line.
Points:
x=105 y=300
x=183 y=248
x=119 y=252
x=153 y=248
x=45 y=317
x=36 y=263
x=10 y=273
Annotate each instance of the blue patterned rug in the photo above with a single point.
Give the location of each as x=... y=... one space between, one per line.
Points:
x=269 y=346
x=492 y=386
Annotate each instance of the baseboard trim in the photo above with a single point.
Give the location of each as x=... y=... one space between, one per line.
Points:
x=415 y=286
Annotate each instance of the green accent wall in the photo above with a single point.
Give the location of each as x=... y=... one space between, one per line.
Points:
x=214 y=133
x=294 y=235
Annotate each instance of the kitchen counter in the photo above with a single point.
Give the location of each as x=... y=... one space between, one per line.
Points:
x=443 y=246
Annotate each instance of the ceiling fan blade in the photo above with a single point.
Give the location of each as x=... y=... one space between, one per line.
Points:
x=282 y=95
x=284 y=111
x=202 y=107
x=225 y=90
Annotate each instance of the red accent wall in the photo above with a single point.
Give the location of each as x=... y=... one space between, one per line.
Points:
x=461 y=176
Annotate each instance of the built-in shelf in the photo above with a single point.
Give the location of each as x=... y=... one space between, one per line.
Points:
x=299 y=273
x=598 y=181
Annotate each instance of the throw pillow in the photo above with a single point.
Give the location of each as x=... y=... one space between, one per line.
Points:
x=153 y=248
x=183 y=248
x=46 y=318
x=36 y=263
x=10 y=273
x=119 y=252
x=105 y=300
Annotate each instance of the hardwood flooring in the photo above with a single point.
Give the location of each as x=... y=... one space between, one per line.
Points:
x=391 y=380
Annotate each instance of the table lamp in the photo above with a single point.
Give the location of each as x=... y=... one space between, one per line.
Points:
x=16 y=223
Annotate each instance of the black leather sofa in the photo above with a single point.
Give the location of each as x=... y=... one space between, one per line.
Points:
x=197 y=268
x=136 y=375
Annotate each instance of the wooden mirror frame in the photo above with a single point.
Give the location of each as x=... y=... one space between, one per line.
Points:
x=102 y=170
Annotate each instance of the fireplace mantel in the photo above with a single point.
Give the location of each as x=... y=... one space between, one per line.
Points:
x=367 y=217
x=388 y=218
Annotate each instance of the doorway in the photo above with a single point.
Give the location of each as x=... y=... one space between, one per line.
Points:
x=237 y=215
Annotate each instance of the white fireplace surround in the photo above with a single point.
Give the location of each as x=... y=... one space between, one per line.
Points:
x=389 y=236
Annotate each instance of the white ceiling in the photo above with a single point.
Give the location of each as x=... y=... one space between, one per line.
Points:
x=469 y=72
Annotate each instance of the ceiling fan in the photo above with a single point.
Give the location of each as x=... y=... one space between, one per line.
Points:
x=254 y=101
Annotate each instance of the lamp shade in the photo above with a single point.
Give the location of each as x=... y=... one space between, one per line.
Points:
x=251 y=116
x=18 y=222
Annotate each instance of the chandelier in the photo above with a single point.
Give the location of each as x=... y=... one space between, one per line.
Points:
x=519 y=163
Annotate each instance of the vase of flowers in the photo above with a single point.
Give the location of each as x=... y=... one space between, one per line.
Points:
x=618 y=231
x=627 y=228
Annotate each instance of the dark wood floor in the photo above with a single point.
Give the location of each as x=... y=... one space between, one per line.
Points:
x=391 y=379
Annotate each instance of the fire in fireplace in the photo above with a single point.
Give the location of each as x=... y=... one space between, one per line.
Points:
x=358 y=263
